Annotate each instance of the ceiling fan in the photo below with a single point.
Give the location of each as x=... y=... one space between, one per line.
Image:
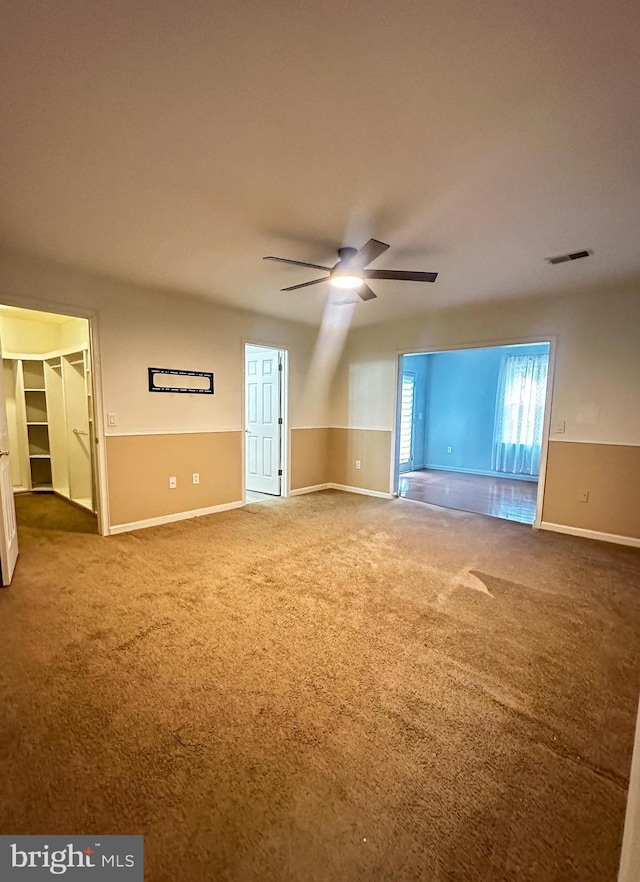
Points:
x=349 y=272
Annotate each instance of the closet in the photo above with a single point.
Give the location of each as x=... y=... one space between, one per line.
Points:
x=50 y=418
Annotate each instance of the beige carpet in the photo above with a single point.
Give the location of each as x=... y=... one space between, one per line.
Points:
x=327 y=688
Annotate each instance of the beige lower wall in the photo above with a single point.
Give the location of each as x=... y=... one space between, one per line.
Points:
x=309 y=457
x=372 y=447
x=328 y=456
x=139 y=467
x=610 y=473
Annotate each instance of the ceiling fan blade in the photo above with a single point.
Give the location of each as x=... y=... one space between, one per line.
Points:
x=369 y=251
x=365 y=293
x=400 y=275
x=298 y=263
x=304 y=285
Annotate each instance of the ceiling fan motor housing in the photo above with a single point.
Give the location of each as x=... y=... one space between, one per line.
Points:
x=346 y=254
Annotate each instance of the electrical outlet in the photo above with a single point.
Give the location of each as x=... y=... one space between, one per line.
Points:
x=583 y=497
x=449 y=449
x=172 y=483
x=196 y=477
x=357 y=463
x=111 y=419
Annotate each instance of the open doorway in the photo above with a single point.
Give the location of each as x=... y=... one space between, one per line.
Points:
x=265 y=422
x=471 y=428
x=51 y=437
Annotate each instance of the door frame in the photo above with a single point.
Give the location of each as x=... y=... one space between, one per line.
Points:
x=35 y=305
x=285 y=447
x=551 y=339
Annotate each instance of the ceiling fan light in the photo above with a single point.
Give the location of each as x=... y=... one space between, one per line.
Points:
x=346 y=280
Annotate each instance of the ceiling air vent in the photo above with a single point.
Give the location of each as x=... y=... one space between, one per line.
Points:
x=575 y=255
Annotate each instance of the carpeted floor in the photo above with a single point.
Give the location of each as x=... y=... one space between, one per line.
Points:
x=331 y=687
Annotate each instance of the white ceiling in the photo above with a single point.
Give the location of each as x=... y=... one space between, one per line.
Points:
x=177 y=143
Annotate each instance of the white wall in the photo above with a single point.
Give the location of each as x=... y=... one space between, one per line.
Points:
x=73 y=333
x=39 y=336
x=28 y=337
x=597 y=377
x=140 y=328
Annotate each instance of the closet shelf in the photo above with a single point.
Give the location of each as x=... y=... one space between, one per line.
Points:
x=50 y=395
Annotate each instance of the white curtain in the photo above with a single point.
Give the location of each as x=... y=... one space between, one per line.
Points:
x=517 y=435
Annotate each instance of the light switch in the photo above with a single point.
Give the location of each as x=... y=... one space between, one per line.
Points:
x=560 y=427
x=111 y=419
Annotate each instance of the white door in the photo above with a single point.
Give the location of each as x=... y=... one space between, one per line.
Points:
x=406 y=420
x=8 y=527
x=263 y=419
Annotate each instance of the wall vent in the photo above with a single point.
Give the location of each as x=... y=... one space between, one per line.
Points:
x=575 y=255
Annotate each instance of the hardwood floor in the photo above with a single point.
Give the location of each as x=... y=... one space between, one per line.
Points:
x=506 y=498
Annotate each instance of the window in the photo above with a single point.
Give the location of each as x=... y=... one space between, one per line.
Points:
x=519 y=418
x=406 y=418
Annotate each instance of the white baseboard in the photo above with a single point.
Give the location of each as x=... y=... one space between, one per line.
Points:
x=590 y=534
x=313 y=489
x=168 y=519
x=344 y=487
x=360 y=490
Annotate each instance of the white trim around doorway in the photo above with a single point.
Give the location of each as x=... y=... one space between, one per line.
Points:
x=285 y=445
x=36 y=305
x=551 y=339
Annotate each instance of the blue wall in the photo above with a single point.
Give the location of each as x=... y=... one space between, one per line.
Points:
x=457 y=395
